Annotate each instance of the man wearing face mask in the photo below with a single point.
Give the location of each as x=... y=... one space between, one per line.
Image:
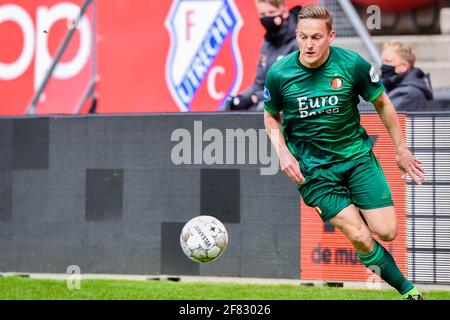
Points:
x=279 y=40
x=408 y=87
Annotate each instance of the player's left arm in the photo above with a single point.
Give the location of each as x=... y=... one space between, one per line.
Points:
x=406 y=161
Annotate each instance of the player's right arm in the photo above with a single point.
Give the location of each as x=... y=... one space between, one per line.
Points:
x=272 y=121
x=288 y=164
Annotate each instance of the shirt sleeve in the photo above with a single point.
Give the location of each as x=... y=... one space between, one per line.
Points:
x=367 y=80
x=271 y=96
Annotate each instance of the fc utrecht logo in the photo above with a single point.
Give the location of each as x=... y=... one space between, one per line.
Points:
x=204 y=65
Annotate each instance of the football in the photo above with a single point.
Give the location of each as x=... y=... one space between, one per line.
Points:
x=203 y=239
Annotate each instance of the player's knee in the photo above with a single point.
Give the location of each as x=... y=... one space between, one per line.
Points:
x=362 y=240
x=388 y=235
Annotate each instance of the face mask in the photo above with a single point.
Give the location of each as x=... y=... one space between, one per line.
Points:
x=270 y=25
x=390 y=78
x=387 y=71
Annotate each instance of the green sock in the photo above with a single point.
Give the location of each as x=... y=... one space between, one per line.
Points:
x=390 y=273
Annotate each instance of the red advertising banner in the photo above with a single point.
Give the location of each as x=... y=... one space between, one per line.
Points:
x=31 y=33
x=326 y=254
x=172 y=56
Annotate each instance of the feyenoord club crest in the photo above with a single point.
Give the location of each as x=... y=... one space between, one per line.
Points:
x=337 y=83
x=204 y=65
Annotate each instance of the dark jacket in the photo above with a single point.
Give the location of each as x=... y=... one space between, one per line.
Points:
x=412 y=92
x=274 y=48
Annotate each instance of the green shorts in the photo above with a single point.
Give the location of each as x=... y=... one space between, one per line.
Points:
x=361 y=182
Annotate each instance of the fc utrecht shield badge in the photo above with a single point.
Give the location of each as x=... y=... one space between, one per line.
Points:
x=204 y=64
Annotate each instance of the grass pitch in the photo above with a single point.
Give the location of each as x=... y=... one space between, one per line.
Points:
x=13 y=288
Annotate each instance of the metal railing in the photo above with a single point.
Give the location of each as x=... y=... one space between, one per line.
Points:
x=348 y=24
x=429 y=203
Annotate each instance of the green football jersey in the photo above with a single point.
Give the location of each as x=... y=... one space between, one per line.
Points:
x=321 y=120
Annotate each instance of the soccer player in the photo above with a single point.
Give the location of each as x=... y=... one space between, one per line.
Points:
x=324 y=149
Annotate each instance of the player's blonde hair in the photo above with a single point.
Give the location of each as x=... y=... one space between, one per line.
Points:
x=275 y=3
x=317 y=12
x=403 y=50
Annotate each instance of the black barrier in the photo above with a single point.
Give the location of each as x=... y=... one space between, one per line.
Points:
x=110 y=194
